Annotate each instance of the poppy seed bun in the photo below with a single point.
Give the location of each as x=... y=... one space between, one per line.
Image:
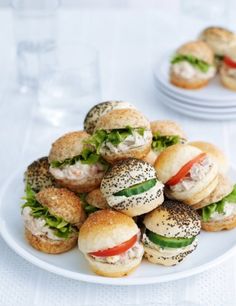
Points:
x=167 y=128
x=198 y=49
x=171 y=160
x=173 y=219
x=223 y=188
x=62 y=203
x=37 y=175
x=96 y=199
x=214 y=152
x=125 y=174
x=105 y=229
x=46 y=245
x=216 y=226
x=67 y=146
x=219 y=39
x=101 y=109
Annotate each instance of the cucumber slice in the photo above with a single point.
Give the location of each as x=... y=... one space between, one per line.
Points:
x=137 y=189
x=169 y=242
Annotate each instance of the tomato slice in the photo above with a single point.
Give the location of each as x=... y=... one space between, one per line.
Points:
x=184 y=170
x=123 y=247
x=229 y=62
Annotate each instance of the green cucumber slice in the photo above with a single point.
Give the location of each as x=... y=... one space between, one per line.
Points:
x=137 y=189
x=169 y=242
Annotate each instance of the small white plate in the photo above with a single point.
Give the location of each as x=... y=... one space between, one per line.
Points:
x=213 y=93
x=213 y=248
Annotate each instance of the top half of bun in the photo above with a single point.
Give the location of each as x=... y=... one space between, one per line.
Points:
x=167 y=128
x=106 y=229
x=101 y=109
x=96 y=199
x=126 y=173
x=218 y=38
x=172 y=159
x=121 y=118
x=214 y=152
x=173 y=219
x=198 y=49
x=67 y=146
x=61 y=203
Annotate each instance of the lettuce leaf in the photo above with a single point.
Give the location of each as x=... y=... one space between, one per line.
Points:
x=159 y=143
x=194 y=61
x=61 y=228
x=218 y=207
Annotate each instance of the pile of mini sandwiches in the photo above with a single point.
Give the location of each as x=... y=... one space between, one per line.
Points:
x=125 y=188
x=197 y=62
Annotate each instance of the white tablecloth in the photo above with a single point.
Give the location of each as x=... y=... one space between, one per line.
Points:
x=129 y=43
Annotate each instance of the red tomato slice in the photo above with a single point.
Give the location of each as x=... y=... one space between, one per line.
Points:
x=229 y=62
x=123 y=247
x=184 y=170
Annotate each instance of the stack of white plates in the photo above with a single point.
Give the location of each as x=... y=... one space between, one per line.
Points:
x=213 y=102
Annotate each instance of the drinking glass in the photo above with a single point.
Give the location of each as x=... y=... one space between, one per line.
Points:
x=35 y=24
x=71 y=87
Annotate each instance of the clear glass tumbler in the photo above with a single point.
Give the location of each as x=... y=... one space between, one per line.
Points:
x=71 y=87
x=35 y=27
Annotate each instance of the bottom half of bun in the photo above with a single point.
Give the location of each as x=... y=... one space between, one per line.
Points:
x=156 y=257
x=187 y=84
x=46 y=245
x=220 y=225
x=228 y=82
x=77 y=186
x=113 y=270
x=151 y=157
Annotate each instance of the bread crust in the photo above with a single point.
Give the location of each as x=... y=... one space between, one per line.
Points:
x=167 y=128
x=46 y=245
x=228 y=82
x=151 y=157
x=96 y=199
x=187 y=84
x=216 y=226
x=62 y=203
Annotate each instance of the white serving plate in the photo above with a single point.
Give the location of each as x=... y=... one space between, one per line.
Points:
x=214 y=93
x=213 y=248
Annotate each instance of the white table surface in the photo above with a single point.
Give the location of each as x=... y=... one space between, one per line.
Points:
x=129 y=42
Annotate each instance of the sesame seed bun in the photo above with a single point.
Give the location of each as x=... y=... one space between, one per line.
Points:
x=214 y=152
x=96 y=199
x=46 y=245
x=67 y=146
x=198 y=49
x=220 y=225
x=218 y=38
x=105 y=229
x=62 y=203
x=167 y=128
x=124 y=175
x=223 y=188
x=101 y=109
x=173 y=219
x=37 y=175
x=227 y=80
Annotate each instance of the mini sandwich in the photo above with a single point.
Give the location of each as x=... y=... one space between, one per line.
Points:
x=37 y=175
x=220 y=40
x=165 y=133
x=218 y=210
x=189 y=174
x=170 y=233
x=228 y=70
x=131 y=186
x=110 y=241
x=192 y=66
x=101 y=109
x=52 y=218
x=122 y=133
x=74 y=164
x=95 y=200
x=214 y=152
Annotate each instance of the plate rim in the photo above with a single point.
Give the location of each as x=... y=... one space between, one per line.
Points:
x=9 y=240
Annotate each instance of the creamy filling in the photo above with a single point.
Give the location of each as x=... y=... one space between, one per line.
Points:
x=164 y=251
x=196 y=174
x=135 y=252
x=37 y=226
x=187 y=71
x=229 y=210
x=78 y=172
x=131 y=142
